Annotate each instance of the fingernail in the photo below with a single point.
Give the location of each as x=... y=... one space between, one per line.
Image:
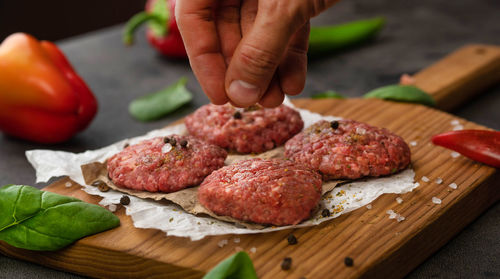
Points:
x=243 y=93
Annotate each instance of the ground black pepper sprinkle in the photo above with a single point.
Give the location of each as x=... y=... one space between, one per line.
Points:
x=166 y=140
x=125 y=200
x=173 y=142
x=292 y=240
x=237 y=115
x=325 y=213
x=286 y=264
x=348 y=261
x=334 y=124
x=183 y=143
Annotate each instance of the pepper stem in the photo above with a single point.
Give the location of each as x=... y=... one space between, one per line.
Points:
x=136 y=21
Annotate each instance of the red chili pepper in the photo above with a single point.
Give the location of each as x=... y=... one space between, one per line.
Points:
x=479 y=145
x=42 y=99
x=163 y=32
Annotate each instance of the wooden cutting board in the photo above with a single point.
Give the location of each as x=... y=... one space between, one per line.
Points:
x=380 y=247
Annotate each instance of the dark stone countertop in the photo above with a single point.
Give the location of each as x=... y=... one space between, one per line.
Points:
x=417 y=34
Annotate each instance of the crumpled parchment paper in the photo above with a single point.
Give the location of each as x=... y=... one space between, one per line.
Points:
x=171 y=219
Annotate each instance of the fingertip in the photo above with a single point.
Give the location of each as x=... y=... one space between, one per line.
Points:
x=274 y=95
x=243 y=94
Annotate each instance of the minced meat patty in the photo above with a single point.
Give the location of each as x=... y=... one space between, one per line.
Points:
x=278 y=192
x=347 y=149
x=165 y=164
x=251 y=130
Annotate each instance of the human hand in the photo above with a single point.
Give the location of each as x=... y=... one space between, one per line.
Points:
x=248 y=51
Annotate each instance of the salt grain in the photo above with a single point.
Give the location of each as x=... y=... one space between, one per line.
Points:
x=399 y=200
x=413 y=143
x=360 y=131
x=417 y=184
x=436 y=200
x=439 y=180
x=222 y=243
x=425 y=179
x=458 y=128
x=455 y=122
x=112 y=207
x=454 y=154
x=237 y=240
x=369 y=206
x=253 y=250
x=453 y=185
x=68 y=184
x=166 y=148
x=390 y=211
x=400 y=218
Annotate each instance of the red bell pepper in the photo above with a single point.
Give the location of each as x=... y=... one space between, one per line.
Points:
x=163 y=32
x=42 y=99
x=479 y=145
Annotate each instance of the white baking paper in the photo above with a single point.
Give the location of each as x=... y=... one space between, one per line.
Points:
x=175 y=222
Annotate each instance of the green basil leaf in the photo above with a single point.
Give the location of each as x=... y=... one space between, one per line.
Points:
x=44 y=221
x=326 y=39
x=402 y=93
x=156 y=105
x=238 y=266
x=327 y=94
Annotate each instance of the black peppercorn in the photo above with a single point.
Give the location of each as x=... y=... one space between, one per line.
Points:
x=183 y=143
x=292 y=240
x=348 y=261
x=125 y=200
x=286 y=264
x=325 y=213
x=103 y=187
x=237 y=115
x=334 y=124
x=173 y=142
x=166 y=140
x=126 y=145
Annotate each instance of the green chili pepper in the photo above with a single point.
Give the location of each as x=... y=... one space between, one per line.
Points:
x=402 y=93
x=154 y=106
x=326 y=39
x=327 y=94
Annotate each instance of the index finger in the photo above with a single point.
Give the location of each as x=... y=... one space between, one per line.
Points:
x=196 y=22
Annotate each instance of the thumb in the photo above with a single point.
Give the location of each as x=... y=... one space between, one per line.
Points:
x=257 y=57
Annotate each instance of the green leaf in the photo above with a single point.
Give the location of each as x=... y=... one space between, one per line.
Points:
x=44 y=221
x=238 y=266
x=327 y=94
x=327 y=39
x=156 y=105
x=402 y=93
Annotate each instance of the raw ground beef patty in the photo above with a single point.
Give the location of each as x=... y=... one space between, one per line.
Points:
x=277 y=191
x=251 y=130
x=347 y=149
x=165 y=164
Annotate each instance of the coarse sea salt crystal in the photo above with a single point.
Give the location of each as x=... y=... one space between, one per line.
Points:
x=222 y=243
x=166 y=148
x=390 y=211
x=237 y=240
x=436 y=200
x=253 y=250
x=360 y=131
x=439 y=180
x=455 y=122
x=425 y=179
x=455 y=154
x=368 y=206
x=112 y=207
x=458 y=127
x=399 y=200
x=413 y=143
x=400 y=218
x=417 y=184
x=68 y=184
x=453 y=185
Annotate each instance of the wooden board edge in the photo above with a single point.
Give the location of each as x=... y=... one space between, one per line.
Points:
x=426 y=242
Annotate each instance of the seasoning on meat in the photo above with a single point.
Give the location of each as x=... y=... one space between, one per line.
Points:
x=325 y=213
x=351 y=151
x=155 y=166
x=276 y=191
x=253 y=130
